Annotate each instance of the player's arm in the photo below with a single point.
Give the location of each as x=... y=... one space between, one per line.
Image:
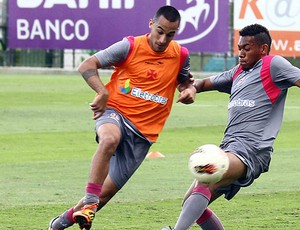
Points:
x=185 y=87
x=189 y=88
x=187 y=91
x=111 y=56
x=297 y=83
x=202 y=85
x=89 y=71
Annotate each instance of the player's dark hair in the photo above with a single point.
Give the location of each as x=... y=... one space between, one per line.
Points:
x=261 y=34
x=169 y=12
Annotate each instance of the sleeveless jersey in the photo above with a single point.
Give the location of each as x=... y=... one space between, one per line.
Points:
x=142 y=86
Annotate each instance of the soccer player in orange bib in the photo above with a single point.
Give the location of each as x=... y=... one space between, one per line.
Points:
x=131 y=110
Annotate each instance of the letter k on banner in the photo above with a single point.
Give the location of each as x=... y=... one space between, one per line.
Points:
x=281 y=17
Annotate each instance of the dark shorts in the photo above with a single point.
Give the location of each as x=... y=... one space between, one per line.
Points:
x=131 y=151
x=257 y=162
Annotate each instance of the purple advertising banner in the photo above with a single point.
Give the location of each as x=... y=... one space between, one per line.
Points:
x=96 y=24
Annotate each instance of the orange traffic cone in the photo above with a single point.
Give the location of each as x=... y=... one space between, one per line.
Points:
x=154 y=154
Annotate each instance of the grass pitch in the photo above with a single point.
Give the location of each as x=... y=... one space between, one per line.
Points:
x=47 y=140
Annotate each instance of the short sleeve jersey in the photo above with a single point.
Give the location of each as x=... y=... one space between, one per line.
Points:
x=143 y=83
x=257 y=99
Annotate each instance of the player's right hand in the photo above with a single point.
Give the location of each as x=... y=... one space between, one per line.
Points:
x=98 y=105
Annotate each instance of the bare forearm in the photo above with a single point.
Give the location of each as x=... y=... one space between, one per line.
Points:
x=92 y=78
x=202 y=85
x=89 y=72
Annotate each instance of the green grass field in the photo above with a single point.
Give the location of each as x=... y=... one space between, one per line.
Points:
x=47 y=140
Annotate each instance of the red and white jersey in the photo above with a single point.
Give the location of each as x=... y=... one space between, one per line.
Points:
x=257 y=99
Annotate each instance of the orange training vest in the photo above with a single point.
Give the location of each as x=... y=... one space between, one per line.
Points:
x=142 y=87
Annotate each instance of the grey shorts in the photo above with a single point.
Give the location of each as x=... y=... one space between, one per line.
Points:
x=257 y=162
x=131 y=151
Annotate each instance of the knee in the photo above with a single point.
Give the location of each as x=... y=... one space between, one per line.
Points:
x=108 y=142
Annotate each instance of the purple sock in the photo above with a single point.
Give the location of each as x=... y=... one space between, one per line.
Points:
x=92 y=194
x=93 y=188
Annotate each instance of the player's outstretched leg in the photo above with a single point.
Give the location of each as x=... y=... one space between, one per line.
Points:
x=193 y=207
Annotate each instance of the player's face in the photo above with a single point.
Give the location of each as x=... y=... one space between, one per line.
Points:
x=249 y=52
x=162 y=33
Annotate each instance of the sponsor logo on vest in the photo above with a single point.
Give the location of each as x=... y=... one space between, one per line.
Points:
x=126 y=88
x=136 y=92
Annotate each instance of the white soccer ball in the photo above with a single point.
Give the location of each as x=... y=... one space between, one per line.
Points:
x=208 y=163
